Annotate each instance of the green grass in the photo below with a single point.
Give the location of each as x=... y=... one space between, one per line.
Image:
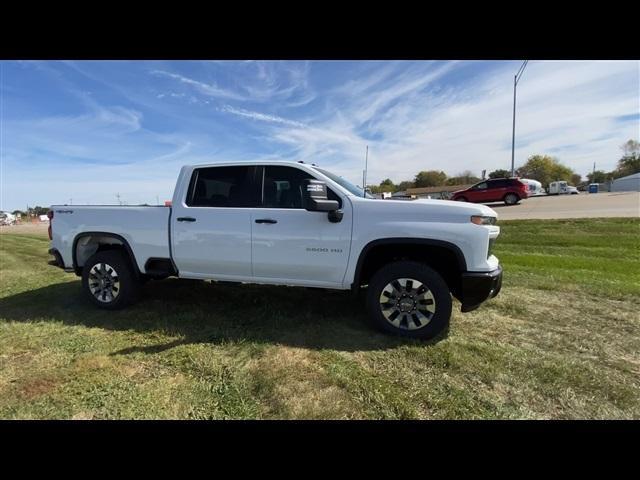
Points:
x=562 y=340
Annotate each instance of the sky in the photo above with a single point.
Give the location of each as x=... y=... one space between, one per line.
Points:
x=83 y=132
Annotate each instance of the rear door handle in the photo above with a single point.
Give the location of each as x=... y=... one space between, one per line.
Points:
x=266 y=220
x=186 y=219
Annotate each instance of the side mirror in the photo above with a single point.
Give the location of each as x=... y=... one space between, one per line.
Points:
x=314 y=194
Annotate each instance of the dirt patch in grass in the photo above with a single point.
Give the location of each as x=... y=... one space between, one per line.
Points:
x=292 y=383
x=34 y=387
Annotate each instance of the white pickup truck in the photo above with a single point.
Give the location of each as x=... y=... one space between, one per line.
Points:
x=288 y=223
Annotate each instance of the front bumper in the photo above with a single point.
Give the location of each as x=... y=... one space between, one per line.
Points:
x=478 y=287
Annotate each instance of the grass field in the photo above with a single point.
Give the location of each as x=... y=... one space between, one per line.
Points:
x=562 y=340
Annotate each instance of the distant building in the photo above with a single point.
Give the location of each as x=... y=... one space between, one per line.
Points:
x=630 y=183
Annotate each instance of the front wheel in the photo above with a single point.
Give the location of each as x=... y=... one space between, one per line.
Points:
x=409 y=299
x=511 y=199
x=109 y=281
x=461 y=199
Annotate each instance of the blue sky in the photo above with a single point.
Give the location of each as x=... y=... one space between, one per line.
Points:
x=87 y=130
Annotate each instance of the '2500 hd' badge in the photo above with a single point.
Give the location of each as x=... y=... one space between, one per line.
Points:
x=324 y=250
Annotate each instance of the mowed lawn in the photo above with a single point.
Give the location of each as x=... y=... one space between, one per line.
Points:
x=562 y=340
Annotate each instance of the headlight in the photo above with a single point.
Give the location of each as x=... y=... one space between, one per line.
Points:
x=482 y=220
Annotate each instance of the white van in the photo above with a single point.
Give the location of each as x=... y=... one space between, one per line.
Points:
x=562 y=188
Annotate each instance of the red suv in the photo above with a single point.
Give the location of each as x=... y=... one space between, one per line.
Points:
x=507 y=190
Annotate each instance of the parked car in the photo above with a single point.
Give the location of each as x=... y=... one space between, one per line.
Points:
x=507 y=190
x=288 y=223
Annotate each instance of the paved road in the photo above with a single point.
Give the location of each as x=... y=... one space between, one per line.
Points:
x=584 y=205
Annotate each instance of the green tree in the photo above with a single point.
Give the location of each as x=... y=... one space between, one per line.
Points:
x=599 y=176
x=500 y=173
x=576 y=179
x=631 y=147
x=465 y=178
x=387 y=185
x=37 y=210
x=630 y=161
x=545 y=169
x=430 y=178
x=402 y=186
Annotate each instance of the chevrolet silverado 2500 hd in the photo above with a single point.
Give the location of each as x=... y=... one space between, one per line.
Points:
x=288 y=223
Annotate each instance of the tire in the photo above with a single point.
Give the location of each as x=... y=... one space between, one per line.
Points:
x=409 y=320
x=461 y=199
x=120 y=287
x=511 y=199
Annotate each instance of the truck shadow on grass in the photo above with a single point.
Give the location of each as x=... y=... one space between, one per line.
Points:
x=200 y=312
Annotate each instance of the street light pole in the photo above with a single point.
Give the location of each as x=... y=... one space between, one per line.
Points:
x=516 y=78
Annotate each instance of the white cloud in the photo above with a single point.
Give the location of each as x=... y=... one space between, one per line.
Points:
x=414 y=116
x=567 y=109
x=262 y=117
x=211 y=90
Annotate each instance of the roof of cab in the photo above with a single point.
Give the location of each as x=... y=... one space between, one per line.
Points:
x=253 y=162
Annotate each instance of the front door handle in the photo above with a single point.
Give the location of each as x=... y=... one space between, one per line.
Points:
x=266 y=220
x=186 y=219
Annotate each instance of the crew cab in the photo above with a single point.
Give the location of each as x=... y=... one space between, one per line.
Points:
x=507 y=190
x=288 y=223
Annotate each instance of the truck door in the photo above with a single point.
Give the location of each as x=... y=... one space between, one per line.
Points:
x=291 y=244
x=211 y=225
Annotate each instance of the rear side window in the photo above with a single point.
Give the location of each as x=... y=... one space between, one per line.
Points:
x=282 y=187
x=498 y=183
x=222 y=187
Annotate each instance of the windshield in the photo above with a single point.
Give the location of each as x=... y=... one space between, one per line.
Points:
x=344 y=183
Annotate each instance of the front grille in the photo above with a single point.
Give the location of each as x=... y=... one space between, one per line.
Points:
x=491 y=242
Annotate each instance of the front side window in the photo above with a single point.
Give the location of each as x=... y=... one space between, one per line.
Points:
x=282 y=187
x=481 y=186
x=222 y=187
x=344 y=183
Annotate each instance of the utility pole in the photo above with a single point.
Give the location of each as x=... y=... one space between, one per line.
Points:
x=364 y=173
x=118 y=197
x=516 y=78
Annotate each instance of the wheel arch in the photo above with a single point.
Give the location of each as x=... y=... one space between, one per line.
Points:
x=104 y=241
x=438 y=254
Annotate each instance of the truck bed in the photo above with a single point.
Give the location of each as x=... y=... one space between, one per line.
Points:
x=145 y=229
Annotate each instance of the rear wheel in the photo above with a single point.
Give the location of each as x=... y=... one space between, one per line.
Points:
x=511 y=199
x=109 y=280
x=409 y=299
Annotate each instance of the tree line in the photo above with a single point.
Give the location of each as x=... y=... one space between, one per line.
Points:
x=627 y=165
x=543 y=168
x=32 y=211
